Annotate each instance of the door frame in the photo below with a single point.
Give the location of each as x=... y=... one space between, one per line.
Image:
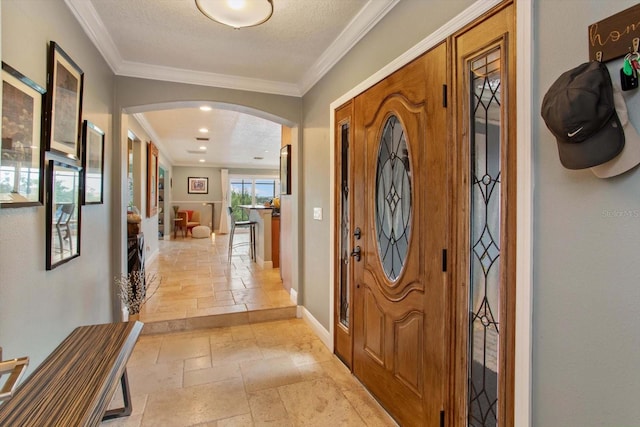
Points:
x=524 y=178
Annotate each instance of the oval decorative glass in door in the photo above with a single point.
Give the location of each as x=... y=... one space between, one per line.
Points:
x=393 y=198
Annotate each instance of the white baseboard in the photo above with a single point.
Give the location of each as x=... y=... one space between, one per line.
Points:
x=152 y=256
x=320 y=331
x=293 y=296
x=264 y=264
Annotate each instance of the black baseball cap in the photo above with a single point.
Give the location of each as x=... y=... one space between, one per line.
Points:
x=580 y=111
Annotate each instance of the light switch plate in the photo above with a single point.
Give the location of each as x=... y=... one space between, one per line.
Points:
x=317 y=214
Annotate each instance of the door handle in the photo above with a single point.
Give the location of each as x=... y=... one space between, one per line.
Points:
x=356 y=253
x=357 y=233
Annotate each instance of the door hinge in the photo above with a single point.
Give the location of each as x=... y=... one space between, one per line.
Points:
x=441 y=418
x=444 y=260
x=444 y=96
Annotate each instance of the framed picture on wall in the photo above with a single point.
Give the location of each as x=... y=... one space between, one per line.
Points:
x=92 y=163
x=64 y=108
x=62 y=213
x=21 y=152
x=198 y=185
x=285 y=169
x=152 y=179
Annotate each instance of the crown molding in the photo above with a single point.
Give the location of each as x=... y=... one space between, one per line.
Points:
x=146 y=126
x=459 y=21
x=178 y=75
x=234 y=166
x=93 y=26
x=359 y=26
x=95 y=29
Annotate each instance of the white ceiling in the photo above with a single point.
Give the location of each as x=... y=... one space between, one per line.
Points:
x=171 y=40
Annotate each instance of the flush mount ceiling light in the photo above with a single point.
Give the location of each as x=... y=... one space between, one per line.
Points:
x=237 y=13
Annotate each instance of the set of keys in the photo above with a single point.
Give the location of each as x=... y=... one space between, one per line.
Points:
x=629 y=71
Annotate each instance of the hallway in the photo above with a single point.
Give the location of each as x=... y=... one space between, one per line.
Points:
x=210 y=356
x=199 y=285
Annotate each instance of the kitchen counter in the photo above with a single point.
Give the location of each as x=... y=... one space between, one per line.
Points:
x=261 y=215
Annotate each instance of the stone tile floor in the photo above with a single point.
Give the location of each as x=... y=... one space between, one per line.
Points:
x=198 y=280
x=242 y=373
x=262 y=374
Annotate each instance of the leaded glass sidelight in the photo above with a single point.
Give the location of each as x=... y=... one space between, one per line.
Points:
x=393 y=198
x=345 y=226
x=485 y=240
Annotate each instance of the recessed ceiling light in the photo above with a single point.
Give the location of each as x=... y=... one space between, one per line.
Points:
x=201 y=160
x=203 y=147
x=205 y=108
x=204 y=130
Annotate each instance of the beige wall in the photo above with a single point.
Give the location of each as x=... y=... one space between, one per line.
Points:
x=39 y=308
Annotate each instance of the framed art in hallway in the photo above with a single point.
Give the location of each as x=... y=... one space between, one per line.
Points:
x=62 y=213
x=65 y=85
x=152 y=179
x=92 y=163
x=21 y=152
x=198 y=185
x=285 y=169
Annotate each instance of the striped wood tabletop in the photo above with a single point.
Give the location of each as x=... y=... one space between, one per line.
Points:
x=74 y=385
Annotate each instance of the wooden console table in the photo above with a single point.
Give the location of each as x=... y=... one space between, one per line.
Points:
x=74 y=385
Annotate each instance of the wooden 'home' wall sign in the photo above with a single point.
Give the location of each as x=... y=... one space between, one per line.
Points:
x=614 y=36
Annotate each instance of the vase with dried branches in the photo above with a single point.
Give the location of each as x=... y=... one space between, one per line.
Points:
x=132 y=289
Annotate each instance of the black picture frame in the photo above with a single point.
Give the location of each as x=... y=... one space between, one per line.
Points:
x=65 y=85
x=63 y=213
x=285 y=169
x=198 y=185
x=92 y=164
x=22 y=149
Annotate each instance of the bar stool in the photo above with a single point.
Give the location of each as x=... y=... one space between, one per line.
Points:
x=251 y=225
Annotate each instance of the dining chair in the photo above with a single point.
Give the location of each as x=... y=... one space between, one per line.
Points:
x=251 y=225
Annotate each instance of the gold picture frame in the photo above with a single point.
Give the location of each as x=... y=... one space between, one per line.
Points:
x=152 y=179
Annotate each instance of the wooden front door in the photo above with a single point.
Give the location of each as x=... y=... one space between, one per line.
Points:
x=400 y=205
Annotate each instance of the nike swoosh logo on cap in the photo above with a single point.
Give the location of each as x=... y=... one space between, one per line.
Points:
x=572 y=134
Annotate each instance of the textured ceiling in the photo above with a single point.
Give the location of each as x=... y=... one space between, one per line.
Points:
x=236 y=140
x=171 y=40
x=282 y=49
